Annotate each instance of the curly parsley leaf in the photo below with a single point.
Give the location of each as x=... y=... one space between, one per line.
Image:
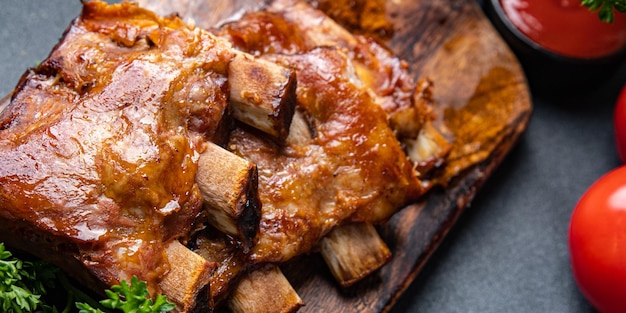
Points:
x=130 y=299
x=604 y=8
x=23 y=283
x=86 y=308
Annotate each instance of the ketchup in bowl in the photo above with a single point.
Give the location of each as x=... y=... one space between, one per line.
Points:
x=565 y=50
x=566 y=28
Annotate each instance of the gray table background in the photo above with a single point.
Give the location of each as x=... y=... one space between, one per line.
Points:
x=508 y=252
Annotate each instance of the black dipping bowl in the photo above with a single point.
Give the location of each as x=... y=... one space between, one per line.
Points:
x=548 y=72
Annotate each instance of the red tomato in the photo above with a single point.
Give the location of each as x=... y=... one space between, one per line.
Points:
x=597 y=242
x=619 y=121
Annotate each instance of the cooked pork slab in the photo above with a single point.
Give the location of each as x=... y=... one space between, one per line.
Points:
x=102 y=144
x=342 y=162
x=96 y=147
x=106 y=141
x=295 y=26
x=352 y=169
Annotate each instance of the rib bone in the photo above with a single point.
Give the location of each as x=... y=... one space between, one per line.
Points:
x=265 y=290
x=425 y=150
x=262 y=94
x=353 y=252
x=228 y=184
x=187 y=277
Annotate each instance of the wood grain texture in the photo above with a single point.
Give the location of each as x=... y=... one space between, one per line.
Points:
x=483 y=102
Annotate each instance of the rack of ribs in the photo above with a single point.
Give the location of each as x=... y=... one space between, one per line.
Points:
x=102 y=146
x=200 y=159
x=351 y=93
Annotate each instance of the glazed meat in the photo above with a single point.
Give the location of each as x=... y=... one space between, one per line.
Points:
x=342 y=162
x=351 y=170
x=343 y=165
x=102 y=144
x=96 y=149
x=356 y=99
x=292 y=26
x=110 y=156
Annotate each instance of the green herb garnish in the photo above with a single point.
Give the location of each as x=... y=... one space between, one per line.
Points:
x=23 y=283
x=605 y=8
x=130 y=299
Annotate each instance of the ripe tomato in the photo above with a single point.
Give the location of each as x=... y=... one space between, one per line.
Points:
x=597 y=242
x=619 y=122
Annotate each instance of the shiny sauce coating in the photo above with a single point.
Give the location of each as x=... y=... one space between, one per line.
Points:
x=100 y=142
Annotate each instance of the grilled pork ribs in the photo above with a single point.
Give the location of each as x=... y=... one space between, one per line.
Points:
x=111 y=157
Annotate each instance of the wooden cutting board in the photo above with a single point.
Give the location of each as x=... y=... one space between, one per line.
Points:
x=482 y=101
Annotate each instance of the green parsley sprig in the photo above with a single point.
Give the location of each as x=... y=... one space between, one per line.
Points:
x=23 y=283
x=605 y=8
x=130 y=299
x=24 y=287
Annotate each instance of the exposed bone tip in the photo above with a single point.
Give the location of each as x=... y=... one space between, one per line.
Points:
x=229 y=186
x=186 y=282
x=265 y=290
x=354 y=251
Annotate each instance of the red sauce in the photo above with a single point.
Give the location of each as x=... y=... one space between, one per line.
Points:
x=567 y=28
